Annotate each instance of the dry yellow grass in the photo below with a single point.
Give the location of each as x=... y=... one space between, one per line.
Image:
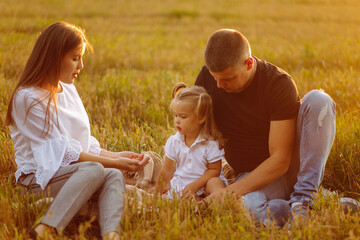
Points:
x=142 y=48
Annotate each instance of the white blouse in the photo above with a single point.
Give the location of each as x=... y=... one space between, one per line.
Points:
x=191 y=162
x=68 y=135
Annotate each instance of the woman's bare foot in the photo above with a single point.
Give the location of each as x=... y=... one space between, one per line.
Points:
x=43 y=229
x=112 y=236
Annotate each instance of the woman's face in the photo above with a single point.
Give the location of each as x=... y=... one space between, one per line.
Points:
x=71 y=64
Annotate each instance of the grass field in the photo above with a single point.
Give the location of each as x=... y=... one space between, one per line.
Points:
x=141 y=49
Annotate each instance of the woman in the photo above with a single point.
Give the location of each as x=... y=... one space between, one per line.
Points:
x=54 y=151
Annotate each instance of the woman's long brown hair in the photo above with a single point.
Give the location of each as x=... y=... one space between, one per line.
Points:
x=43 y=66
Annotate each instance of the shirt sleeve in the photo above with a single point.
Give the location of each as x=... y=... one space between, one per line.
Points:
x=170 y=148
x=214 y=154
x=284 y=101
x=94 y=146
x=50 y=150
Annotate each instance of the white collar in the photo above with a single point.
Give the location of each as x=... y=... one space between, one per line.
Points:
x=181 y=138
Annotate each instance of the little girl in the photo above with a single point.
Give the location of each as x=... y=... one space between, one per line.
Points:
x=193 y=155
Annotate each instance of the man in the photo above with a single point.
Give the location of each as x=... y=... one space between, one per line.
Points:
x=277 y=145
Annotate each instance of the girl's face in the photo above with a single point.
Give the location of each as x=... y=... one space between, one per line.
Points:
x=71 y=64
x=185 y=119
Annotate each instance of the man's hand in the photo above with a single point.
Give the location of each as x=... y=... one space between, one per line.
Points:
x=215 y=197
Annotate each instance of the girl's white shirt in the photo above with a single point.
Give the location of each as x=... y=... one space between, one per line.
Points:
x=191 y=162
x=68 y=135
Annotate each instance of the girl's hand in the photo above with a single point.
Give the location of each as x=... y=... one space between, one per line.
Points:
x=157 y=189
x=151 y=190
x=190 y=190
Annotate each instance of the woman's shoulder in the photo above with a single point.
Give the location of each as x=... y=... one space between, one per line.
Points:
x=30 y=94
x=25 y=91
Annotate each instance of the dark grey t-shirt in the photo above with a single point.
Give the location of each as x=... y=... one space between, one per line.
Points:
x=244 y=118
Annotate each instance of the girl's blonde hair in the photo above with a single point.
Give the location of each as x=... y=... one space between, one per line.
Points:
x=201 y=100
x=43 y=66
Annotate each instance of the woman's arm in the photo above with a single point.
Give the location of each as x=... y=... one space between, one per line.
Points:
x=123 y=163
x=126 y=154
x=213 y=170
x=165 y=175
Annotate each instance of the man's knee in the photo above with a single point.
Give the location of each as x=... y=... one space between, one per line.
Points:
x=255 y=202
x=263 y=210
x=317 y=99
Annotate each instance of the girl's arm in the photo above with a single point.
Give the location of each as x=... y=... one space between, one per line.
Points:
x=165 y=175
x=213 y=170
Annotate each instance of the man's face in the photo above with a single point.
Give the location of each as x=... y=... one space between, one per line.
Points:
x=232 y=79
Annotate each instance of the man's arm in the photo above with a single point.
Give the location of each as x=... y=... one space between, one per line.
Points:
x=281 y=142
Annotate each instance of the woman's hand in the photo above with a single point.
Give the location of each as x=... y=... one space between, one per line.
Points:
x=133 y=163
x=126 y=154
x=128 y=164
x=126 y=160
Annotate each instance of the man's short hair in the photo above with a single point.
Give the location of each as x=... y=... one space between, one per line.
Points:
x=226 y=48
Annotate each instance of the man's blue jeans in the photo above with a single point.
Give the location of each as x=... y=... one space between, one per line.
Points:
x=315 y=135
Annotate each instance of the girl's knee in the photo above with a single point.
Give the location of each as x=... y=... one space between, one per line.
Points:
x=213 y=184
x=214 y=180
